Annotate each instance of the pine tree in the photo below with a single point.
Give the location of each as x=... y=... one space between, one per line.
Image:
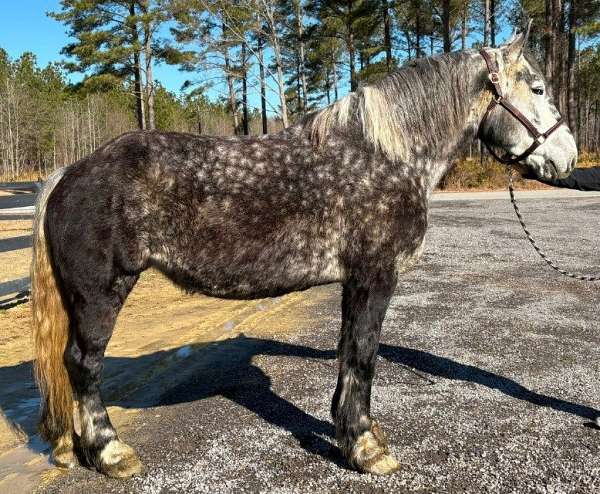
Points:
x=353 y=21
x=322 y=65
x=114 y=42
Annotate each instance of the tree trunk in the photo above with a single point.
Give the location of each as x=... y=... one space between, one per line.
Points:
x=278 y=64
x=302 y=57
x=584 y=135
x=486 y=22
x=446 y=25
x=417 y=5
x=549 y=46
x=246 y=128
x=281 y=84
x=463 y=26
x=571 y=72
x=230 y=86
x=493 y=23
x=137 y=72
x=149 y=87
x=298 y=87
x=387 y=35
x=199 y=113
x=263 y=87
x=335 y=80
x=557 y=59
x=351 y=47
x=327 y=87
x=148 y=65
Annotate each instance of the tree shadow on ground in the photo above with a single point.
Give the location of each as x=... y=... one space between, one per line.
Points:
x=226 y=368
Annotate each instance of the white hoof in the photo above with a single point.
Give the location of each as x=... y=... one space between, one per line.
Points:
x=370 y=453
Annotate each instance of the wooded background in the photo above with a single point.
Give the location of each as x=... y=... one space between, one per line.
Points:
x=287 y=56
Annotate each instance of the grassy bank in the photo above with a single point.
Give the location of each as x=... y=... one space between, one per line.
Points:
x=472 y=174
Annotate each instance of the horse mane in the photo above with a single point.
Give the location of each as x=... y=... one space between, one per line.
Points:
x=411 y=110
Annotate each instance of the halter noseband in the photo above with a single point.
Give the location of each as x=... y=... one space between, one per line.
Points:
x=538 y=137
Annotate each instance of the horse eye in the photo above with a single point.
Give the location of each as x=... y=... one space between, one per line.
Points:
x=538 y=90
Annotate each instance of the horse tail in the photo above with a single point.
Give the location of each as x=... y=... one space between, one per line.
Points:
x=50 y=328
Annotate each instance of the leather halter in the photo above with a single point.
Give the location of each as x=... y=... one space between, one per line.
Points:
x=538 y=137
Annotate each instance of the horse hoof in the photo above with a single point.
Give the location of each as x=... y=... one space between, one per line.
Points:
x=62 y=454
x=383 y=465
x=119 y=460
x=370 y=454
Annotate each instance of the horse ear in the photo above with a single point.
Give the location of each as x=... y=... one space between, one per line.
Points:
x=517 y=45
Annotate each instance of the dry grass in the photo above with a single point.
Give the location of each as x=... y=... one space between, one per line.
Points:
x=471 y=174
x=24 y=176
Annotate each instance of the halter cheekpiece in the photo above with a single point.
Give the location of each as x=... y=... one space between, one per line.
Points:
x=538 y=137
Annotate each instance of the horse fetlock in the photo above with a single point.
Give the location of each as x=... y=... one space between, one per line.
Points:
x=63 y=455
x=119 y=460
x=370 y=453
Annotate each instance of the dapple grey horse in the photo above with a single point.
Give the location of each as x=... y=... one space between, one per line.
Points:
x=342 y=196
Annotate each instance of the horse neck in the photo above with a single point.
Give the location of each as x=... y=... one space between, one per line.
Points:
x=432 y=157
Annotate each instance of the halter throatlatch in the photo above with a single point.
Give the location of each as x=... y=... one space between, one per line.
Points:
x=538 y=137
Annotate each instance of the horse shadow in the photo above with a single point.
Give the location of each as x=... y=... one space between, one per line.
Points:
x=225 y=368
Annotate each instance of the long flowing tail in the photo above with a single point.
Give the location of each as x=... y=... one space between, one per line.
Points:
x=50 y=328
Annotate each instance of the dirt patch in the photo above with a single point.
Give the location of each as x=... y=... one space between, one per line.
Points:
x=14 y=228
x=158 y=317
x=14 y=264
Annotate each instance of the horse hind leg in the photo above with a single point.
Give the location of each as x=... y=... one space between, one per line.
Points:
x=93 y=320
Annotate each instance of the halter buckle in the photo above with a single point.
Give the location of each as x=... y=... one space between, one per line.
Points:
x=541 y=139
x=494 y=77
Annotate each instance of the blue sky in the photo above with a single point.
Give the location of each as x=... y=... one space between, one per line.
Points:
x=24 y=26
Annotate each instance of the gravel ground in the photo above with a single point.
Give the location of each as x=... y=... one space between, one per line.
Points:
x=486 y=382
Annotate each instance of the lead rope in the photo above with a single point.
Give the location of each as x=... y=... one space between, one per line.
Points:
x=535 y=246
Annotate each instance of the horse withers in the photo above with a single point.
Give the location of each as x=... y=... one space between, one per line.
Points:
x=342 y=196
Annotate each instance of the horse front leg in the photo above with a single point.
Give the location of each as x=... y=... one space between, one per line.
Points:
x=364 y=303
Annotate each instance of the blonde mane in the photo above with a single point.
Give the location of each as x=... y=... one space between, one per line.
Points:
x=410 y=111
x=370 y=106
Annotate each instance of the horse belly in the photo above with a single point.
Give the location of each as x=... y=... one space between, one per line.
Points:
x=251 y=272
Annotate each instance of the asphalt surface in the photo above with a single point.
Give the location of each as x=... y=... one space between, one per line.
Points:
x=487 y=378
x=19 y=205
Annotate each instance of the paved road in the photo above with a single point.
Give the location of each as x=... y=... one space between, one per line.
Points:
x=19 y=204
x=487 y=378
